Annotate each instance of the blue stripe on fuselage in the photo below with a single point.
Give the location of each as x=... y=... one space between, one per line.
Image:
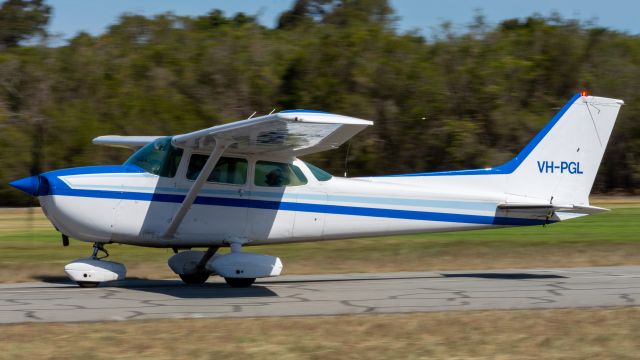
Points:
x=449 y=204
x=304 y=207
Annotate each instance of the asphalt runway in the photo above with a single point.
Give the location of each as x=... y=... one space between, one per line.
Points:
x=62 y=301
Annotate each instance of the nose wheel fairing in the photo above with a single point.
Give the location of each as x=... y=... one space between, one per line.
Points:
x=91 y=271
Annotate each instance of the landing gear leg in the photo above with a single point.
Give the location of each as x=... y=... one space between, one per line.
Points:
x=97 y=247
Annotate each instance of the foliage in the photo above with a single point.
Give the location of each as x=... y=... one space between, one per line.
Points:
x=21 y=20
x=452 y=100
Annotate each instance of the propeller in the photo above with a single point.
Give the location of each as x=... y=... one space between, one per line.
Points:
x=35 y=168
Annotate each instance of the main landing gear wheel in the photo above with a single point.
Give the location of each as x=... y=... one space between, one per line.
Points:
x=87 y=284
x=239 y=282
x=194 y=279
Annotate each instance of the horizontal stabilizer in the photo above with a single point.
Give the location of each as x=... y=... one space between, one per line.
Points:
x=546 y=208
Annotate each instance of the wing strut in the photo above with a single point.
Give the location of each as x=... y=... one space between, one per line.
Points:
x=216 y=153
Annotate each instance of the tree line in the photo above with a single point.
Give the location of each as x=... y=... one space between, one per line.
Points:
x=452 y=99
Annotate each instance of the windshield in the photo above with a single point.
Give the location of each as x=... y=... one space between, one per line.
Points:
x=158 y=158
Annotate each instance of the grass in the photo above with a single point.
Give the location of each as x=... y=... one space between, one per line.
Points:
x=521 y=334
x=31 y=249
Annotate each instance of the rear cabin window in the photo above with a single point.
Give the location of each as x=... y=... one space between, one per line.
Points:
x=275 y=174
x=228 y=170
x=320 y=174
x=158 y=158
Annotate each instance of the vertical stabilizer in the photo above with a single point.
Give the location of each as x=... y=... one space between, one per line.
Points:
x=561 y=162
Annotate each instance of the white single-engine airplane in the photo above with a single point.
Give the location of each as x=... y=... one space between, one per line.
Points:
x=242 y=184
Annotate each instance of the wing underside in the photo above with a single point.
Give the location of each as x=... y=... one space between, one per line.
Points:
x=293 y=133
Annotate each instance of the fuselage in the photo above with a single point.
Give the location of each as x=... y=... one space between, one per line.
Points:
x=126 y=204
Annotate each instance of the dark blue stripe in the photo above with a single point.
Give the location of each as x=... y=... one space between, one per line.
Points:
x=304 y=207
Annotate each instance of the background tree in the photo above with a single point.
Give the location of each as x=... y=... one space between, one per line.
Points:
x=21 y=20
x=469 y=98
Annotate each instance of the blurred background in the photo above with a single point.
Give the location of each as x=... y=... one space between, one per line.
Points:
x=444 y=95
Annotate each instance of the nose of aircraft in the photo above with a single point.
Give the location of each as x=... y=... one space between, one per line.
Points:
x=30 y=185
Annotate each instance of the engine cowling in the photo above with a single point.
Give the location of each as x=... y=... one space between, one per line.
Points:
x=93 y=270
x=245 y=265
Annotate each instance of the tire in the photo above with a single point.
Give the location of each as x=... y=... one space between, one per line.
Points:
x=87 y=284
x=194 y=279
x=240 y=282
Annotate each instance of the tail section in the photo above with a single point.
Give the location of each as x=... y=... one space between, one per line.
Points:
x=561 y=162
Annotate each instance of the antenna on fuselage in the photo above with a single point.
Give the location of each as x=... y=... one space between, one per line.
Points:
x=346 y=158
x=252 y=115
x=274 y=109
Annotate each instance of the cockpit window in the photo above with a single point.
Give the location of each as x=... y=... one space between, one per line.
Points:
x=320 y=174
x=227 y=170
x=275 y=174
x=158 y=158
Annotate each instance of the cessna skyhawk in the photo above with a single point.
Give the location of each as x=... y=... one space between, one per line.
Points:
x=242 y=184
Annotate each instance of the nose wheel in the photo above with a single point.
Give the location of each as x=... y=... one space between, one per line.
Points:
x=87 y=284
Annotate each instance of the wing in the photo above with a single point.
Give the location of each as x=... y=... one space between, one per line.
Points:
x=292 y=132
x=131 y=142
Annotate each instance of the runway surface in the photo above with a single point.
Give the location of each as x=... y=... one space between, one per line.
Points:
x=63 y=301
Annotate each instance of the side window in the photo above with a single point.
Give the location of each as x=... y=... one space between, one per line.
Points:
x=227 y=170
x=275 y=174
